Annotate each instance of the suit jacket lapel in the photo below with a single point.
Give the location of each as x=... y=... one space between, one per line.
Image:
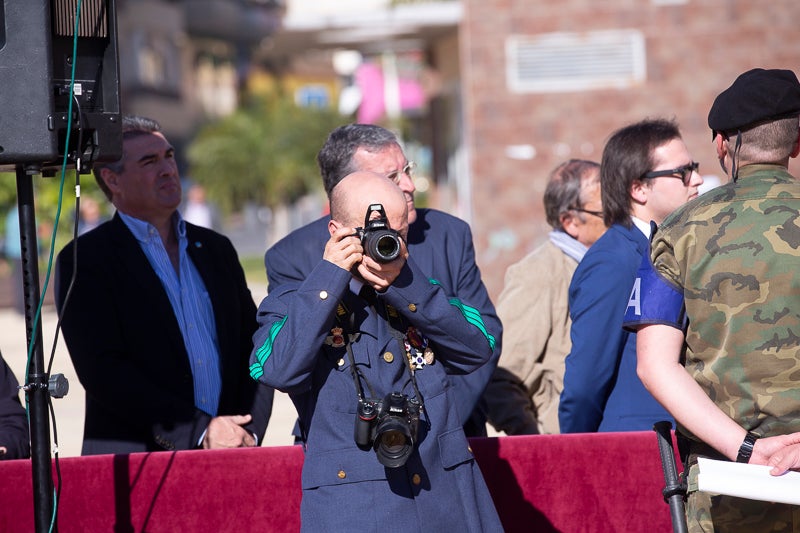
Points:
x=205 y=260
x=154 y=302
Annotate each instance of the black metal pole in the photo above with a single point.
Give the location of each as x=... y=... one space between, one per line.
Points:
x=674 y=491
x=36 y=385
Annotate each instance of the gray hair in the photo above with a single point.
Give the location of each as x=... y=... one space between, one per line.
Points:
x=563 y=191
x=335 y=158
x=132 y=126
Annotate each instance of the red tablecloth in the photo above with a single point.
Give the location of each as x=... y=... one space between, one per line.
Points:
x=586 y=482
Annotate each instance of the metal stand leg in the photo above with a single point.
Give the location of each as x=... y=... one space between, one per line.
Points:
x=36 y=387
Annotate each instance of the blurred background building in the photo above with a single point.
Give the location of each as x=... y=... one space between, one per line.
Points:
x=509 y=88
x=545 y=81
x=184 y=61
x=487 y=95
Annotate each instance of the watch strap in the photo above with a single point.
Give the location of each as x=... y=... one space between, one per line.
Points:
x=746 y=449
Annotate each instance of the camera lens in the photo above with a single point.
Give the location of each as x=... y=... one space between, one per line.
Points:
x=388 y=247
x=382 y=245
x=393 y=443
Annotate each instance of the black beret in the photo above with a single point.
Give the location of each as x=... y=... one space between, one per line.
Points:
x=755 y=96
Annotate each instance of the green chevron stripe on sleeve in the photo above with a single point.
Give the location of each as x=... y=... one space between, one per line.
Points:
x=474 y=317
x=263 y=353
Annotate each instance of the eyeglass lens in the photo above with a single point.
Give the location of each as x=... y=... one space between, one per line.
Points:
x=687 y=170
x=408 y=170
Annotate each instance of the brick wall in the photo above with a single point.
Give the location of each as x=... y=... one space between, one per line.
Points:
x=693 y=51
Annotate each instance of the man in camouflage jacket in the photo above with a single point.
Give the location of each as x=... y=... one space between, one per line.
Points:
x=717 y=304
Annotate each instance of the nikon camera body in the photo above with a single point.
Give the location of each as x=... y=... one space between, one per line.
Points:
x=380 y=241
x=390 y=426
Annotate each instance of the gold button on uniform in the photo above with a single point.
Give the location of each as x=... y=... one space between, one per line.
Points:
x=388 y=357
x=412 y=308
x=469 y=449
x=341 y=474
x=415 y=479
x=323 y=295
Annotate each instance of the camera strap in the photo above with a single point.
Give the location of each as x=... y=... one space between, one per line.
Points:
x=355 y=373
x=346 y=320
x=349 y=326
x=401 y=341
x=396 y=328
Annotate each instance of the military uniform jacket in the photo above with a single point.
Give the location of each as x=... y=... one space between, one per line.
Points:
x=345 y=488
x=441 y=246
x=733 y=253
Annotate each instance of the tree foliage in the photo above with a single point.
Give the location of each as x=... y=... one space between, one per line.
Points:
x=46 y=192
x=265 y=152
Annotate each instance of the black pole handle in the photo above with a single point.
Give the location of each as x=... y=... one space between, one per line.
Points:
x=674 y=491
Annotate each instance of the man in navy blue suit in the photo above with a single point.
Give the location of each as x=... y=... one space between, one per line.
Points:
x=365 y=346
x=440 y=244
x=646 y=173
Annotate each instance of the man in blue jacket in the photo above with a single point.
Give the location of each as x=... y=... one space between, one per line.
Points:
x=646 y=172
x=441 y=245
x=365 y=346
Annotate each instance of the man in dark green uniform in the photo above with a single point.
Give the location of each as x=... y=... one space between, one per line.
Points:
x=721 y=290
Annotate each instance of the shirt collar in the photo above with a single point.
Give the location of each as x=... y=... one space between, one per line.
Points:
x=643 y=226
x=356 y=284
x=144 y=231
x=568 y=244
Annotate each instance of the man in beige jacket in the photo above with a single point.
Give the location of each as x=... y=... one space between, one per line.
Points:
x=522 y=396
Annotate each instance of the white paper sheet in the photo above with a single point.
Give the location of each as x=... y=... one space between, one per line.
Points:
x=748 y=481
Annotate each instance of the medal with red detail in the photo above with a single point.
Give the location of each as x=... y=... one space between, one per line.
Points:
x=417 y=348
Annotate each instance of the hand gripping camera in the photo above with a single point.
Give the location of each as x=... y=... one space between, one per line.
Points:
x=389 y=426
x=380 y=242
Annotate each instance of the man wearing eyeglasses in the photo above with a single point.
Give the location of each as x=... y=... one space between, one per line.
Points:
x=718 y=318
x=646 y=172
x=522 y=396
x=440 y=245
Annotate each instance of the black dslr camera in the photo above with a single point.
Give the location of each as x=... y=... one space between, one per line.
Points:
x=380 y=242
x=390 y=426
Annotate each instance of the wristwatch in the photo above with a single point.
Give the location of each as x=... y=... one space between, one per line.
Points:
x=746 y=449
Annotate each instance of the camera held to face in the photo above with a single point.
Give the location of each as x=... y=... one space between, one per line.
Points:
x=389 y=426
x=380 y=242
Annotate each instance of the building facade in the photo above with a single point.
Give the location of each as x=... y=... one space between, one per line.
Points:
x=546 y=81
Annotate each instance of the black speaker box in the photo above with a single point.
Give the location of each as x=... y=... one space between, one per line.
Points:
x=38 y=48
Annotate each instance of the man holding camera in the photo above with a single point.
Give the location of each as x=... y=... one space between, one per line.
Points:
x=441 y=245
x=364 y=347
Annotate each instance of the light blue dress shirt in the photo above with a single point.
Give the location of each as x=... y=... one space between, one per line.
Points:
x=192 y=307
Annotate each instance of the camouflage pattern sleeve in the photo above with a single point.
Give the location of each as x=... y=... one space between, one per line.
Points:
x=735 y=252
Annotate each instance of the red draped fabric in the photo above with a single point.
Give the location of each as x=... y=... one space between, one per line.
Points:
x=586 y=482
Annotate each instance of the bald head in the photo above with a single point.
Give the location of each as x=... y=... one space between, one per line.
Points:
x=351 y=198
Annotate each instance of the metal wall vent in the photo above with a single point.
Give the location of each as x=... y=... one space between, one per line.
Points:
x=564 y=62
